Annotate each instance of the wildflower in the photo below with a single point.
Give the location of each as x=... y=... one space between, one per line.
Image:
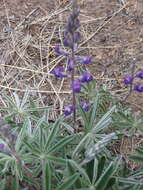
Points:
x=77 y=37
x=68 y=110
x=59 y=72
x=85 y=60
x=1 y=146
x=128 y=80
x=140 y=74
x=60 y=51
x=68 y=41
x=76 y=86
x=86 y=77
x=85 y=106
x=138 y=87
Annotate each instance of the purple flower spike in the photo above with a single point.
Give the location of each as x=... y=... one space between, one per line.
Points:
x=138 y=87
x=77 y=37
x=60 y=51
x=140 y=74
x=76 y=86
x=86 y=77
x=59 y=72
x=1 y=146
x=70 y=65
x=85 y=106
x=128 y=80
x=68 y=110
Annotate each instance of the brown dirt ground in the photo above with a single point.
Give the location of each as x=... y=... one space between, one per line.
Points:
x=112 y=33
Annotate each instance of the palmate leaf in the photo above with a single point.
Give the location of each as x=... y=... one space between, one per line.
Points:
x=64 y=141
x=68 y=182
x=95 y=149
x=129 y=180
x=31 y=148
x=71 y=171
x=103 y=180
x=136 y=158
x=53 y=132
x=15 y=184
x=47 y=176
x=92 y=115
x=36 y=109
x=56 y=160
x=78 y=168
x=104 y=121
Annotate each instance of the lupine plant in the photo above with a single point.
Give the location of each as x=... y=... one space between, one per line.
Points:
x=71 y=41
x=36 y=154
x=137 y=86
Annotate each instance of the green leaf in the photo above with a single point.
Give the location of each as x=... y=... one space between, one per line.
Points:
x=140 y=150
x=69 y=182
x=101 y=166
x=81 y=144
x=105 y=177
x=53 y=133
x=15 y=184
x=56 y=160
x=38 y=109
x=71 y=171
x=104 y=121
x=129 y=180
x=46 y=171
x=2 y=184
x=61 y=144
x=93 y=112
x=80 y=170
x=32 y=148
x=136 y=158
x=24 y=99
x=95 y=171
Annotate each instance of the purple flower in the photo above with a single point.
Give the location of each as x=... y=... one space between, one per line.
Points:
x=73 y=23
x=85 y=106
x=138 y=87
x=68 y=110
x=60 y=51
x=86 y=77
x=70 y=64
x=68 y=42
x=59 y=72
x=76 y=86
x=84 y=60
x=128 y=80
x=140 y=74
x=77 y=37
x=1 y=146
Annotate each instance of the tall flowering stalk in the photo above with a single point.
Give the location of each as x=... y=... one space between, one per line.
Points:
x=71 y=41
x=130 y=80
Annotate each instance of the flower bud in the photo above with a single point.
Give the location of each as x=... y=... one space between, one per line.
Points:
x=76 y=86
x=138 y=87
x=86 y=77
x=85 y=106
x=59 y=72
x=128 y=80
